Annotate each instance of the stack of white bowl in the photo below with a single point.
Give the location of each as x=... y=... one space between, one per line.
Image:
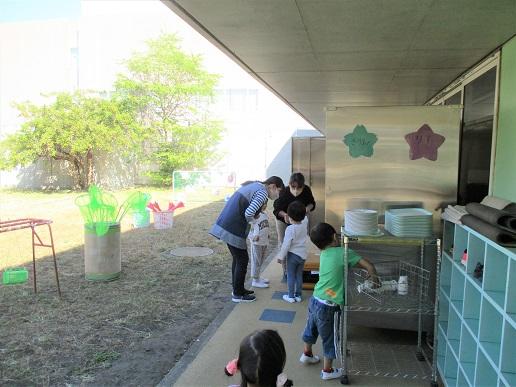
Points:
x=361 y=221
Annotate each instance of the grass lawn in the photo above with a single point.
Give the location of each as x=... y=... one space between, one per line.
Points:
x=130 y=331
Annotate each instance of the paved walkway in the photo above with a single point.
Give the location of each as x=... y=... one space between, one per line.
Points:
x=374 y=352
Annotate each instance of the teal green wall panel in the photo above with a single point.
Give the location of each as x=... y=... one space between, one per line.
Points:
x=505 y=158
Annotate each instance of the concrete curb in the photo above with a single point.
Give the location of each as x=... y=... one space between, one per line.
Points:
x=173 y=375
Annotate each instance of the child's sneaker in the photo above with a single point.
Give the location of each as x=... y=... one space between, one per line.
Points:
x=259 y=284
x=244 y=298
x=288 y=299
x=309 y=359
x=298 y=298
x=334 y=374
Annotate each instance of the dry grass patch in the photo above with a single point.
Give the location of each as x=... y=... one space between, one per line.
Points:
x=130 y=331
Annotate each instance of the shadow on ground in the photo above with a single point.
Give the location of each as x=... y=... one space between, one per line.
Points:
x=127 y=332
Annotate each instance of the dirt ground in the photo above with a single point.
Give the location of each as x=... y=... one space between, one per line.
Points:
x=127 y=332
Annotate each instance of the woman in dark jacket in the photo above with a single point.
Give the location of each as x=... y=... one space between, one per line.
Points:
x=231 y=227
x=297 y=190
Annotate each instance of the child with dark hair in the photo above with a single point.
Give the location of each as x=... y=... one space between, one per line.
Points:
x=327 y=296
x=294 y=248
x=261 y=360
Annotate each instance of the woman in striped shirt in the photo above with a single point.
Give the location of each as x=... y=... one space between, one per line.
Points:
x=231 y=227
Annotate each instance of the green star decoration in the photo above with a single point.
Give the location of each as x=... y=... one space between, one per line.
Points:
x=360 y=142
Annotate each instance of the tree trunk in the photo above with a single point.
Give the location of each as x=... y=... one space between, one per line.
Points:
x=77 y=166
x=78 y=173
x=90 y=168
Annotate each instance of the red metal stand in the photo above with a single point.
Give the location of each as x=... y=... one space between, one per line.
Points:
x=19 y=224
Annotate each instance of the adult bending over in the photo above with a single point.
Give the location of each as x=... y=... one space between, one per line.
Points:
x=231 y=227
x=297 y=190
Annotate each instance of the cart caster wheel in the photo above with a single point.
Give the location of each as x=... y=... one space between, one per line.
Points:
x=344 y=379
x=433 y=384
x=419 y=356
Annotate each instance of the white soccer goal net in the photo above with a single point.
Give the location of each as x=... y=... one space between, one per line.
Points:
x=203 y=185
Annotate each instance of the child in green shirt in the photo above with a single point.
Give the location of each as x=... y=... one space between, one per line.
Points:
x=328 y=295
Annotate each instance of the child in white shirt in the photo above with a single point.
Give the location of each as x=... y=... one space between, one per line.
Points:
x=294 y=248
x=259 y=237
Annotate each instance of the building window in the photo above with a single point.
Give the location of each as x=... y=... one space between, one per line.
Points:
x=455 y=99
x=476 y=138
x=477 y=91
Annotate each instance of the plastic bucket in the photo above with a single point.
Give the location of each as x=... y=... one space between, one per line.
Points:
x=163 y=219
x=102 y=259
x=141 y=219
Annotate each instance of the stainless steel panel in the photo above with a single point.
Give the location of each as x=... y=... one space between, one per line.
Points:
x=317 y=177
x=301 y=156
x=308 y=157
x=389 y=175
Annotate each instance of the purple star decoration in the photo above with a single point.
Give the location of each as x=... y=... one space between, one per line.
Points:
x=424 y=143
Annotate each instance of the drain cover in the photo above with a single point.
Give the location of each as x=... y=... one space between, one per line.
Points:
x=191 y=251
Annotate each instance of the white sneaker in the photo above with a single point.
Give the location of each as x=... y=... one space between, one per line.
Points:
x=297 y=298
x=288 y=299
x=259 y=284
x=265 y=280
x=309 y=359
x=336 y=373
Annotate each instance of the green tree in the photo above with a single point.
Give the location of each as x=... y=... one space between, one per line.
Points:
x=169 y=90
x=74 y=127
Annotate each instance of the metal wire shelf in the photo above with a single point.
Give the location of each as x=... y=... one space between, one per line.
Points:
x=363 y=297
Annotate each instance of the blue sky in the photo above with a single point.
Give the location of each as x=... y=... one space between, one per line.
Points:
x=30 y=10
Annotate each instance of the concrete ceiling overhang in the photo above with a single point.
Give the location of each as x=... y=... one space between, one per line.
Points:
x=319 y=53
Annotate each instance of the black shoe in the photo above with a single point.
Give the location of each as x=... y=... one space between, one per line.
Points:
x=247 y=292
x=244 y=298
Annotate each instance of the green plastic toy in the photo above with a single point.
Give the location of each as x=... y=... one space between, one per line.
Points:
x=15 y=276
x=136 y=202
x=100 y=209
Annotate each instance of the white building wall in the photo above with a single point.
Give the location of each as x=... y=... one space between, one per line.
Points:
x=34 y=60
x=58 y=55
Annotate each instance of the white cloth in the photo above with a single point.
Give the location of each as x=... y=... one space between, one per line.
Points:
x=368 y=287
x=260 y=229
x=495 y=202
x=295 y=240
x=454 y=213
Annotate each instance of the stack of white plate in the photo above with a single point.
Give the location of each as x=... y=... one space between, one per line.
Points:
x=361 y=222
x=409 y=222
